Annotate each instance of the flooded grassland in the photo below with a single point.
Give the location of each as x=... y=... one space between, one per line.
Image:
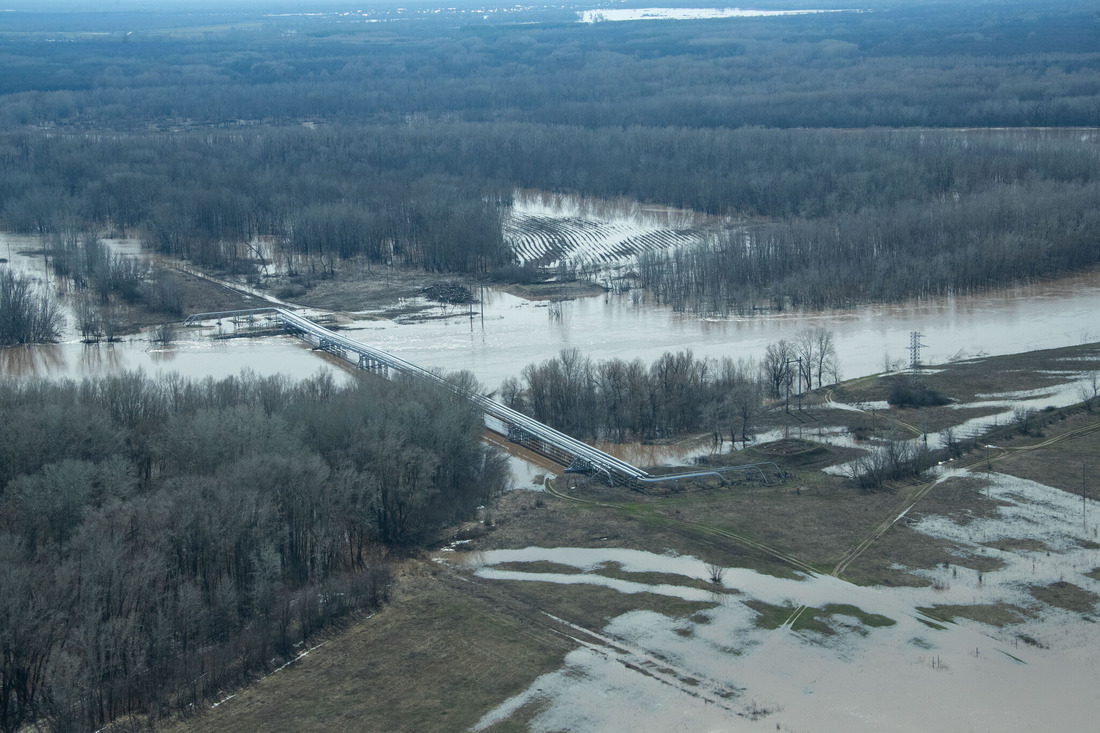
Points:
x=976 y=606
x=982 y=618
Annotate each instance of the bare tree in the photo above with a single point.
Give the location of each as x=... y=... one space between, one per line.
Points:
x=88 y=320
x=744 y=405
x=817 y=351
x=1025 y=418
x=27 y=314
x=775 y=369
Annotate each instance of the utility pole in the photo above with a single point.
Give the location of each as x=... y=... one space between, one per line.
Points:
x=1084 y=521
x=800 y=384
x=788 y=381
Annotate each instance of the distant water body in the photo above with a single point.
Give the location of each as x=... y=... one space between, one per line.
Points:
x=623 y=14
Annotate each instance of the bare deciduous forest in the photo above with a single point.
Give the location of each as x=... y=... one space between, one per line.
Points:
x=161 y=539
x=678 y=393
x=401 y=141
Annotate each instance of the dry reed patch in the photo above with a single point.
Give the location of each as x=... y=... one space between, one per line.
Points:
x=358 y=288
x=813 y=521
x=1065 y=595
x=994 y=614
x=820 y=620
x=962 y=498
x=523 y=518
x=901 y=550
x=530 y=518
x=615 y=570
x=1066 y=464
x=971 y=380
x=555 y=290
x=539 y=566
x=593 y=606
x=974 y=380
x=1018 y=545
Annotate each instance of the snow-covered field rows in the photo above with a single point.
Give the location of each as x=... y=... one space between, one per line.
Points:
x=544 y=230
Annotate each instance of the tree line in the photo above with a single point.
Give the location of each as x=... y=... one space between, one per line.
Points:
x=954 y=244
x=678 y=393
x=897 y=65
x=164 y=539
x=874 y=202
x=399 y=142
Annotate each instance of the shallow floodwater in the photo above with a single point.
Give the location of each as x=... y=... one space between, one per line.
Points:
x=511 y=332
x=195 y=353
x=627 y=14
x=507 y=333
x=194 y=356
x=716 y=670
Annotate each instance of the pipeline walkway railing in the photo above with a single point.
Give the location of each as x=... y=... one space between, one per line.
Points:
x=519 y=428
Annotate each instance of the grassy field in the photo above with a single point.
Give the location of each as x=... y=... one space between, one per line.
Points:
x=429 y=660
x=452 y=645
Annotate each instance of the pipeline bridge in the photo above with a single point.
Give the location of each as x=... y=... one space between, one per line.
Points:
x=521 y=429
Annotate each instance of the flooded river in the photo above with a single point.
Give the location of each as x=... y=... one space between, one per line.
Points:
x=507 y=333
x=516 y=332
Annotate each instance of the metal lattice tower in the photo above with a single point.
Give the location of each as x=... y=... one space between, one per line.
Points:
x=914 y=349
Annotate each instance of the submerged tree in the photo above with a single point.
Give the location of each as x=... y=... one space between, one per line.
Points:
x=27 y=315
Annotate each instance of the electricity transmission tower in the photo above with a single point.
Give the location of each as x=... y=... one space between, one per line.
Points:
x=914 y=349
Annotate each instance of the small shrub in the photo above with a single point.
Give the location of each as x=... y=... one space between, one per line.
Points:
x=164 y=334
x=909 y=391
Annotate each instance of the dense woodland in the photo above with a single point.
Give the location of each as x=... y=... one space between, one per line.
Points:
x=399 y=141
x=621 y=401
x=162 y=540
x=897 y=64
x=1008 y=232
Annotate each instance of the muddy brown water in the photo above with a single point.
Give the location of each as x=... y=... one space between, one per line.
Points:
x=506 y=333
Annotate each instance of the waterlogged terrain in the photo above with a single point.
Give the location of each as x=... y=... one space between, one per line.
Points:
x=504 y=332
x=548 y=229
x=818 y=653
x=508 y=333
x=1068 y=387
x=196 y=353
